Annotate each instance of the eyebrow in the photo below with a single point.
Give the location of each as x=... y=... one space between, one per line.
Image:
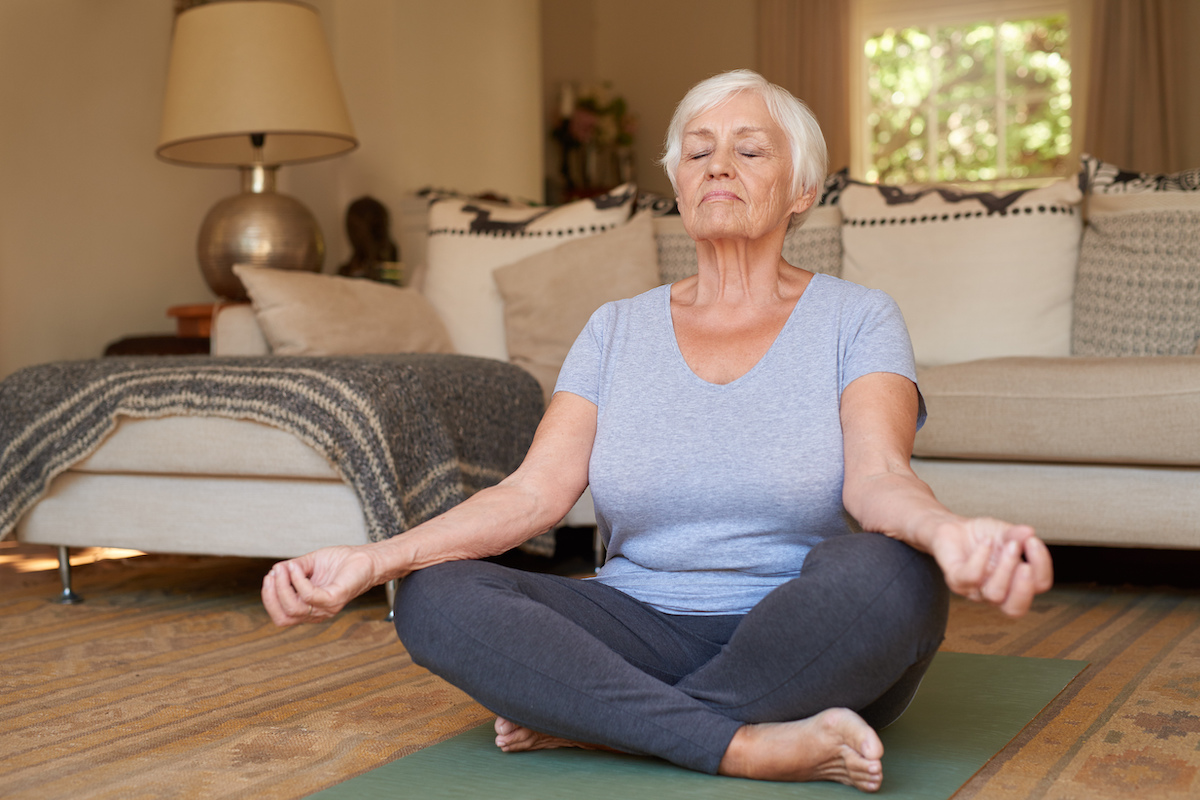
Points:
x=708 y=132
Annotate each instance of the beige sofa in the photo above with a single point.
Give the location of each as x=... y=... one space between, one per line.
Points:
x=1096 y=449
x=1055 y=359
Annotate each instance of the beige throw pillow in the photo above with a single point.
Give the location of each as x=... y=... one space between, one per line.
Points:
x=307 y=314
x=549 y=296
x=976 y=274
x=468 y=239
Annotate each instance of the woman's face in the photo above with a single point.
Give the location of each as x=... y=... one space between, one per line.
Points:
x=735 y=173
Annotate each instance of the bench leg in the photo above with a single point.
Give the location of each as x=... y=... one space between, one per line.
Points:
x=68 y=596
x=391 y=587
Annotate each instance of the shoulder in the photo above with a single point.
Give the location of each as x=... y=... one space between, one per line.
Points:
x=849 y=296
x=640 y=305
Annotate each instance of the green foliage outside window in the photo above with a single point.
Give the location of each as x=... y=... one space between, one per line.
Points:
x=982 y=102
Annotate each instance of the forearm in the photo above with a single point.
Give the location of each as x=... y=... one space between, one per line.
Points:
x=899 y=504
x=491 y=522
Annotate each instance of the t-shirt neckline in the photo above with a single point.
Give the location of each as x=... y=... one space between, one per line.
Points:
x=670 y=323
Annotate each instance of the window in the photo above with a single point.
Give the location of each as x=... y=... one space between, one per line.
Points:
x=950 y=101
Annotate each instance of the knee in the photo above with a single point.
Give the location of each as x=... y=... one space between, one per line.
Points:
x=911 y=580
x=422 y=601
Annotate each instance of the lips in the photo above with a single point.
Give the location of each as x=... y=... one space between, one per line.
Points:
x=719 y=194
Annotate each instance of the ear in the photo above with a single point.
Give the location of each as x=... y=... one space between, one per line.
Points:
x=804 y=202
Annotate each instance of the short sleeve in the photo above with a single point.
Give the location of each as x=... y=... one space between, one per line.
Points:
x=580 y=373
x=876 y=340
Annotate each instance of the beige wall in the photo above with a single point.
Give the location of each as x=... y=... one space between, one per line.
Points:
x=443 y=94
x=97 y=236
x=653 y=51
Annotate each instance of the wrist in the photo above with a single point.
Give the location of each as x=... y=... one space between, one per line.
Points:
x=387 y=560
x=935 y=524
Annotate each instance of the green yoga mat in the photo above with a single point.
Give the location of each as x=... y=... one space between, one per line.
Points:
x=968 y=708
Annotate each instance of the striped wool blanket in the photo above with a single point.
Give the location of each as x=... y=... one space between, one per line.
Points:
x=412 y=434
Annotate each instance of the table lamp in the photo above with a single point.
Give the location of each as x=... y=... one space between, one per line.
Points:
x=251 y=85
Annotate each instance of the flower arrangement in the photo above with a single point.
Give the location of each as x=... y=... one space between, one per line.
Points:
x=596 y=132
x=597 y=116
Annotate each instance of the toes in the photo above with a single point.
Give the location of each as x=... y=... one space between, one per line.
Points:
x=852 y=730
x=864 y=774
x=508 y=734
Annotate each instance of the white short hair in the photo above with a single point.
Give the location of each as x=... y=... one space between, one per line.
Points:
x=809 y=156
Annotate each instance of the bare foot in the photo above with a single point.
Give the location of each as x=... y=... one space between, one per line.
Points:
x=514 y=738
x=835 y=745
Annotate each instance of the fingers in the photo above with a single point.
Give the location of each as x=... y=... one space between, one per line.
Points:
x=1037 y=555
x=285 y=594
x=967 y=578
x=1003 y=564
x=279 y=600
x=1020 y=592
x=999 y=580
x=1023 y=570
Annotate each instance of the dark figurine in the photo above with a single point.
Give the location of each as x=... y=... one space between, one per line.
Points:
x=375 y=254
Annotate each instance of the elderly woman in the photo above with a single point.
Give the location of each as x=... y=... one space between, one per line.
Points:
x=725 y=423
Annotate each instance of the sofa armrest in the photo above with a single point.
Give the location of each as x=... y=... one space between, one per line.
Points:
x=235 y=332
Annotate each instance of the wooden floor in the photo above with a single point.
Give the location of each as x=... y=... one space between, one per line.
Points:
x=170 y=681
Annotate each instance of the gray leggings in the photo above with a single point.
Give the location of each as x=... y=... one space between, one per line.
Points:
x=581 y=660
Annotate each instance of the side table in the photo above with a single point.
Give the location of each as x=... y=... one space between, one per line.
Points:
x=193 y=327
x=193 y=321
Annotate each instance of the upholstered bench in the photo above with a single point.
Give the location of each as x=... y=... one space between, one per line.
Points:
x=262 y=457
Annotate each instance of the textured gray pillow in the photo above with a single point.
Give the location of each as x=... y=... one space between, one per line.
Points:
x=1137 y=291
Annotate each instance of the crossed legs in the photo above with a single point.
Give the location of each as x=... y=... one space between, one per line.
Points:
x=583 y=662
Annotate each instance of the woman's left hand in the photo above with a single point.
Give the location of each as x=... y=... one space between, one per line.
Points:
x=992 y=561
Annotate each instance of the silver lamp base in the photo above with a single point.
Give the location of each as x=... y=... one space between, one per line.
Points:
x=258 y=227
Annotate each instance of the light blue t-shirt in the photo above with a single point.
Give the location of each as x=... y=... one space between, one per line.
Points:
x=708 y=496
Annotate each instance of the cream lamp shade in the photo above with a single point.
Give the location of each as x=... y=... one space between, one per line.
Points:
x=251 y=85
x=252 y=67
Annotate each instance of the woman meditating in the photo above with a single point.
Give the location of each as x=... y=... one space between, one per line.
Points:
x=726 y=424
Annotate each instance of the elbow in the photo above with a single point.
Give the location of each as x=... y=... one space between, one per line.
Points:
x=544 y=505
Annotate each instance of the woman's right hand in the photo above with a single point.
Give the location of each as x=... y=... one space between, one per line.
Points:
x=316 y=586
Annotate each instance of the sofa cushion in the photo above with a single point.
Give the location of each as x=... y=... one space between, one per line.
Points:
x=468 y=239
x=1138 y=290
x=977 y=275
x=549 y=296
x=1080 y=410
x=302 y=313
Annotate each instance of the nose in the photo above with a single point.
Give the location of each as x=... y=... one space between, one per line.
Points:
x=720 y=164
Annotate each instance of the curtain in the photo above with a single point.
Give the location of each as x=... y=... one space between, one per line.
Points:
x=803 y=45
x=1138 y=84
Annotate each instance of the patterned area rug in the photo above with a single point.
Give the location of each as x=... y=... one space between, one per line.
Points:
x=1128 y=726
x=170 y=681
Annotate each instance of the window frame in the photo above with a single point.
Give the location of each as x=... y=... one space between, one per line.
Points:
x=868 y=17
